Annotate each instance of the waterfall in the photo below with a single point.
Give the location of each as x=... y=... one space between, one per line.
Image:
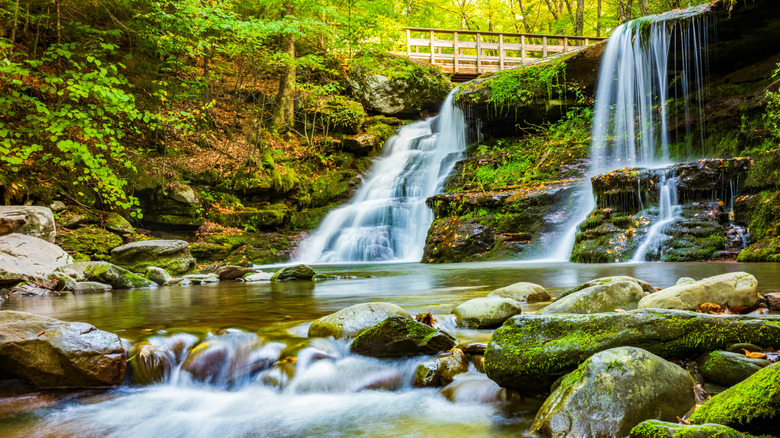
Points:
x=388 y=219
x=668 y=211
x=632 y=111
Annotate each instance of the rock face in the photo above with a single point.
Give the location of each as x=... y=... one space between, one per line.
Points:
x=659 y=429
x=612 y=392
x=31 y=221
x=171 y=255
x=529 y=352
x=53 y=354
x=486 y=312
x=398 y=336
x=353 y=320
x=297 y=272
x=732 y=289
x=600 y=298
x=750 y=406
x=522 y=292
x=727 y=369
x=27 y=258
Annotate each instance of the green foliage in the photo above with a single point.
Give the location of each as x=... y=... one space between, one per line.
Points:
x=519 y=86
x=772 y=108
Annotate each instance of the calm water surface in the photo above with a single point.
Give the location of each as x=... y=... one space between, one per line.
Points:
x=322 y=399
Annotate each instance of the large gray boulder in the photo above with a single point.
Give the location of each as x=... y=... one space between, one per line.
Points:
x=28 y=220
x=607 y=280
x=733 y=289
x=523 y=292
x=485 y=312
x=54 y=354
x=297 y=272
x=398 y=336
x=529 y=352
x=727 y=368
x=30 y=259
x=613 y=391
x=107 y=273
x=172 y=255
x=599 y=298
x=353 y=320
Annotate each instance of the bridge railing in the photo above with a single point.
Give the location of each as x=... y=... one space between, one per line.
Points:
x=475 y=52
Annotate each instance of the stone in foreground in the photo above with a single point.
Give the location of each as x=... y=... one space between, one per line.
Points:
x=663 y=429
x=599 y=298
x=398 y=336
x=30 y=259
x=523 y=292
x=727 y=369
x=529 y=352
x=487 y=312
x=750 y=406
x=442 y=370
x=297 y=272
x=613 y=391
x=28 y=220
x=56 y=354
x=733 y=289
x=353 y=320
x=172 y=255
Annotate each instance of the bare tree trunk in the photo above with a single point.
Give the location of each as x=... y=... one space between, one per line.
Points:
x=522 y=12
x=552 y=9
x=283 y=111
x=598 y=19
x=579 y=19
x=644 y=7
x=59 y=35
x=207 y=75
x=13 y=29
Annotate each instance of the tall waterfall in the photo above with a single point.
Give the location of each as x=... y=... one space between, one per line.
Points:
x=632 y=112
x=388 y=219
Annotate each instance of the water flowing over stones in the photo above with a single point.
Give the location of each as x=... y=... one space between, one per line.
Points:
x=388 y=219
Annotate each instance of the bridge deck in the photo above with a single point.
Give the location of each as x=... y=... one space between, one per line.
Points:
x=466 y=54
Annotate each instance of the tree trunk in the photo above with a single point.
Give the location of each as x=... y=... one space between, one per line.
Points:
x=207 y=75
x=13 y=29
x=644 y=7
x=579 y=20
x=285 y=104
x=552 y=9
x=522 y=12
x=598 y=19
x=59 y=36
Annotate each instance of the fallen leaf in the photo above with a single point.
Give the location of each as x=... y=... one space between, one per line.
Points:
x=754 y=355
x=39 y=334
x=619 y=310
x=683 y=421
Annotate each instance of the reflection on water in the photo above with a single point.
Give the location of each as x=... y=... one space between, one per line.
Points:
x=330 y=397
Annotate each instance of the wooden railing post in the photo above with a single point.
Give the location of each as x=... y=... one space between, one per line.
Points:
x=433 y=51
x=501 y=52
x=408 y=42
x=586 y=41
x=479 y=54
x=544 y=46
x=455 y=52
x=565 y=44
x=522 y=48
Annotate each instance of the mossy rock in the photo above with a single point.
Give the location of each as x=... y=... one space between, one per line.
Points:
x=727 y=368
x=766 y=250
x=398 y=336
x=115 y=276
x=116 y=223
x=750 y=406
x=93 y=242
x=733 y=289
x=663 y=429
x=599 y=298
x=353 y=320
x=529 y=352
x=172 y=255
x=487 y=312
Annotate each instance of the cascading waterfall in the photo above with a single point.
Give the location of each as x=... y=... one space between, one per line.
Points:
x=632 y=111
x=668 y=211
x=388 y=219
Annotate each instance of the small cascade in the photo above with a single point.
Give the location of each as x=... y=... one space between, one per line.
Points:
x=737 y=237
x=646 y=63
x=388 y=219
x=669 y=211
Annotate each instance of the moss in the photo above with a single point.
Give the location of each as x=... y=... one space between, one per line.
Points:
x=662 y=429
x=335 y=113
x=91 y=242
x=767 y=250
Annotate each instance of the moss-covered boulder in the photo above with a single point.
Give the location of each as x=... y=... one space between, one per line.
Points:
x=171 y=255
x=50 y=353
x=647 y=287
x=613 y=391
x=151 y=364
x=600 y=298
x=750 y=406
x=529 y=352
x=727 y=368
x=157 y=275
x=523 y=292
x=116 y=223
x=353 y=320
x=442 y=370
x=92 y=241
x=112 y=275
x=399 y=336
x=664 y=429
x=733 y=289
x=297 y=272
x=396 y=85
x=488 y=312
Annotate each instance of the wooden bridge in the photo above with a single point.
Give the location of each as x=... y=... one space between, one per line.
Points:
x=466 y=54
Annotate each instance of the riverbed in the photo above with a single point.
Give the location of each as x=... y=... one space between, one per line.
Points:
x=327 y=398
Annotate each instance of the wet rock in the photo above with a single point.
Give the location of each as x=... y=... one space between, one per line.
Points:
x=613 y=391
x=201 y=278
x=171 y=255
x=488 y=312
x=604 y=281
x=732 y=289
x=232 y=272
x=600 y=298
x=91 y=287
x=522 y=292
x=157 y=275
x=57 y=206
x=151 y=364
x=529 y=352
x=750 y=406
x=209 y=361
x=773 y=300
x=663 y=429
x=28 y=220
x=116 y=277
x=457 y=240
x=297 y=272
x=64 y=281
x=28 y=290
x=255 y=277
x=472 y=347
x=727 y=369
x=353 y=320
x=399 y=336
x=361 y=144
x=684 y=280
x=116 y=223
x=441 y=370
x=27 y=258
x=52 y=354
x=477 y=388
